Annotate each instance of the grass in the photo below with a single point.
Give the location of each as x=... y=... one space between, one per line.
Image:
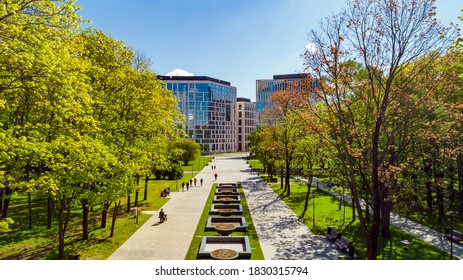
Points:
x=430 y=219
x=20 y=242
x=256 y=251
x=255 y=163
x=327 y=214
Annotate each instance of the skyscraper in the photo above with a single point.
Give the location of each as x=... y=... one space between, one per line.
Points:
x=266 y=87
x=209 y=106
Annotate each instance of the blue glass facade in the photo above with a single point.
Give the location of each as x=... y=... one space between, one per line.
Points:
x=209 y=107
x=265 y=88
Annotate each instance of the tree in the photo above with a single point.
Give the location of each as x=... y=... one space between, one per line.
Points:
x=190 y=149
x=364 y=58
x=282 y=120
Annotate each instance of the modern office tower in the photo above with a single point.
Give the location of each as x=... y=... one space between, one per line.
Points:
x=246 y=117
x=266 y=87
x=209 y=106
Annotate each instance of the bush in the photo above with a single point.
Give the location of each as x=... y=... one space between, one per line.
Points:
x=175 y=172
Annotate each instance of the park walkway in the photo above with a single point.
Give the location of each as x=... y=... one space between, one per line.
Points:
x=169 y=240
x=281 y=235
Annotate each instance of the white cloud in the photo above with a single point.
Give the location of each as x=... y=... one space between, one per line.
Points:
x=311 y=47
x=179 y=72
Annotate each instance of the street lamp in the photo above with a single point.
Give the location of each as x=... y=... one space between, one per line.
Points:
x=406 y=244
x=451 y=214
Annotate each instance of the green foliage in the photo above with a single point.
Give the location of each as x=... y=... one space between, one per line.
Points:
x=190 y=149
x=82 y=114
x=4 y=224
x=175 y=172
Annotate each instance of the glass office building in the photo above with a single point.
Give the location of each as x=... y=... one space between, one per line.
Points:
x=209 y=106
x=266 y=87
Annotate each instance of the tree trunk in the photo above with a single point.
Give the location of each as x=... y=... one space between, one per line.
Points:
x=386 y=208
x=50 y=206
x=460 y=187
x=376 y=187
x=287 y=178
x=1 y=199
x=145 y=195
x=429 y=201
x=29 y=202
x=104 y=215
x=440 y=200
x=85 y=211
x=307 y=197
x=136 y=199
x=128 y=204
x=6 y=202
x=61 y=227
x=372 y=242
x=344 y=204
x=116 y=210
x=340 y=201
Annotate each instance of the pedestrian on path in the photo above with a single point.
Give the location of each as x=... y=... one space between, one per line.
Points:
x=191 y=183
x=195 y=181
x=201 y=181
x=215 y=176
x=187 y=186
x=183 y=186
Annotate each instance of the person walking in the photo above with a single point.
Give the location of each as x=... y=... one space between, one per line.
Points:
x=194 y=181
x=187 y=186
x=215 y=176
x=183 y=186
x=201 y=181
x=162 y=216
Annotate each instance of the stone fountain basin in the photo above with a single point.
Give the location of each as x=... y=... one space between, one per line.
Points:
x=237 y=208
x=227 y=185
x=227 y=191
x=238 y=222
x=226 y=199
x=239 y=244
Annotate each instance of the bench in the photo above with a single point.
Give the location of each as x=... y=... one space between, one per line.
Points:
x=340 y=241
x=332 y=234
x=453 y=235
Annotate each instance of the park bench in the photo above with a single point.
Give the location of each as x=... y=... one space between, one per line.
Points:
x=453 y=235
x=332 y=234
x=345 y=245
x=340 y=241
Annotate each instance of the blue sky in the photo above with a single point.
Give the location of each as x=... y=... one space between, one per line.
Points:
x=233 y=40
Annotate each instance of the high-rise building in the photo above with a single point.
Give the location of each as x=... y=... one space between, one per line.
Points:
x=246 y=122
x=266 y=87
x=209 y=106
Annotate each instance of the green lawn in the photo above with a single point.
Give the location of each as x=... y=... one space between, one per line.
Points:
x=23 y=243
x=328 y=214
x=256 y=251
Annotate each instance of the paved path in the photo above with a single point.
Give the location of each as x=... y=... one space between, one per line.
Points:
x=169 y=240
x=281 y=234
